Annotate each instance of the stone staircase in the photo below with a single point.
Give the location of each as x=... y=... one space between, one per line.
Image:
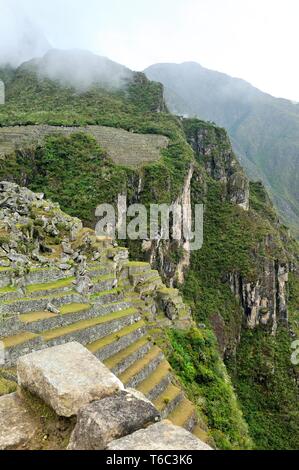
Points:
x=113 y=321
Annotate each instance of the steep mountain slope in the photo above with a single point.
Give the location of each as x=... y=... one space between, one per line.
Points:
x=264 y=130
x=239 y=284
x=236 y=285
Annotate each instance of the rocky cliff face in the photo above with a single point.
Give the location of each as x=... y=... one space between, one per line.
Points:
x=262 y=294
x=264 y=301
x=213 y=149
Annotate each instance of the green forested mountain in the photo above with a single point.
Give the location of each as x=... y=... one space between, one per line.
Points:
x=264 y=130
x=242 y=286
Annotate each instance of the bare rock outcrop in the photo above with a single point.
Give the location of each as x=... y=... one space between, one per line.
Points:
x=16 y=425
x=111 y=418
x=160 y=436
x=66 y=377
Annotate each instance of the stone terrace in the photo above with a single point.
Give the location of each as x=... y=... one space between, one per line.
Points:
x=123 y=147
x=113 y=321
x=86 y=404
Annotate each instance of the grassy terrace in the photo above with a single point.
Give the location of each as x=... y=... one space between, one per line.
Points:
x=182 y=413
x=18 y=339
x=74 y=308
x=4 y=269
x=119 y=357
x=167 y=396
x=60 y=284
x=7 y=290
x=138 y=264
x=64 y=310
x=101 y=343
x=36 y=316
x=98 y=295
x=58 y=295
x=140 y=364
x=154 y=378
x=103 y=278
x=81 y=325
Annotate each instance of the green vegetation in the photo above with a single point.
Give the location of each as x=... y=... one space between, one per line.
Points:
x=196 y=360
x=6 y=386
x=230 y=238
x=264 y=129
x=265 y=382
x=75 y=171
x=60 y=284
x=294 y=302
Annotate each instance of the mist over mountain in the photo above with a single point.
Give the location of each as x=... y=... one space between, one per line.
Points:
x=20 y=38
x=79 y=69
x=264 y=130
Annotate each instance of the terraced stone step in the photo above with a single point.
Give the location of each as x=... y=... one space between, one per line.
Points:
x=147 y=310
x=135 y=267
x=38 y=322
x=101 y=277
x=74 y=312
x=52 y=287
x=109 y=296
x=149 y=285
x=100 y=269
x=88 y=331
x=156 y=382
x=5 y=276
x=201 y=434
x=18 y=339
x=8 y=293
x=144 y=276
x=103 y=283
x=112 y=344
x=137 y=372
x=184 y=415
x=29 y=304
x=123 y=147
x=168 y=400
x=36 y=316
x=19 y=345
x=120 y=362
x=47 y=275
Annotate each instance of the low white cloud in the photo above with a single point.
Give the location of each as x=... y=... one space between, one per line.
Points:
x=251 y=39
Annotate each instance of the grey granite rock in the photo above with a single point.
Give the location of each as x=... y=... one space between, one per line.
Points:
x=103 y=421
x=66 y=377
x=16 y=425
x=160 y=436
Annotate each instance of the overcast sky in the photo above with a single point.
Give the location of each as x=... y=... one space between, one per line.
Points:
x=256 y=40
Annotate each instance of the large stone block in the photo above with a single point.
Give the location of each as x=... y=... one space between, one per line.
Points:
x=111 y=418
x=16 y=425
x=159 y=436
x=66 y=377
